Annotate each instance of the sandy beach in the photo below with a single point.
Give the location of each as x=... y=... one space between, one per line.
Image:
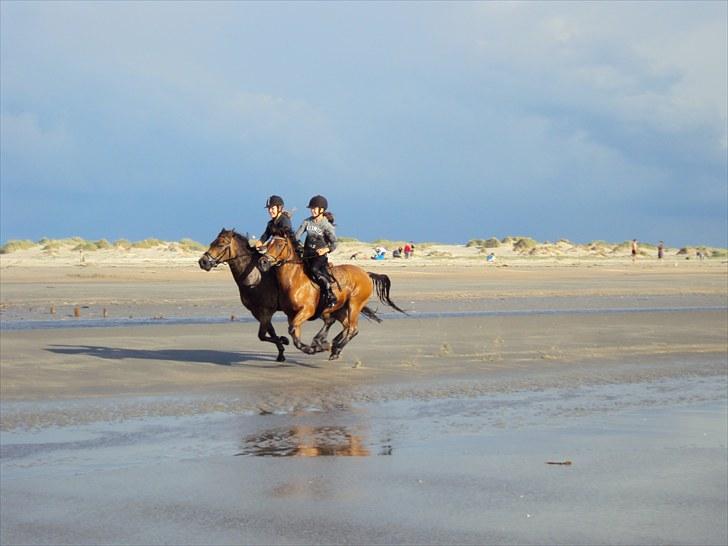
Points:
x=157 y=417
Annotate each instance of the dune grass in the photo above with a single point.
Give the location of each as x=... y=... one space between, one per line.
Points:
x=147 y=243
x=190 y=245
x=525 y=246
x=16 y=244
x=482 y=244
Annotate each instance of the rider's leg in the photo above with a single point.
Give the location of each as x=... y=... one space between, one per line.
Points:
x=321 y=277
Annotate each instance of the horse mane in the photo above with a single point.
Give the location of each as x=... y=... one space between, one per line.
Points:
x=240 y=236
x=243 y=240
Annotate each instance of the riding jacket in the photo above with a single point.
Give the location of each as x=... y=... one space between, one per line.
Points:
x=281 y=225
x=318 y=235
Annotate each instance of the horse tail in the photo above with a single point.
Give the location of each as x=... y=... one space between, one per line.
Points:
x=371 y=315
x=382 y=284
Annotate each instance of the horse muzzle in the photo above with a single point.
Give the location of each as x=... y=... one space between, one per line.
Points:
x=265 y=263
x=207 y=262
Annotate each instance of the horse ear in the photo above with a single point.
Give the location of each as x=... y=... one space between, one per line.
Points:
x=251 y=242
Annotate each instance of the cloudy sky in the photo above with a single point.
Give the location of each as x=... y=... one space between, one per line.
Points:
x=425 y=121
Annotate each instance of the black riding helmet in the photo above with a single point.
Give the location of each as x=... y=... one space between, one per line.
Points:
x=318 y=201
x=274 y=200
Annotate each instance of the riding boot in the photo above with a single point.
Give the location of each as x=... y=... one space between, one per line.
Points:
x=330 y=297
x=326 y=293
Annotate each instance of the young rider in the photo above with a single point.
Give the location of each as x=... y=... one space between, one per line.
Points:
x=279 y=223
x=320 y=241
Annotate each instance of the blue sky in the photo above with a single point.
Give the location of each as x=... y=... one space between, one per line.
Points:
x=425 y=121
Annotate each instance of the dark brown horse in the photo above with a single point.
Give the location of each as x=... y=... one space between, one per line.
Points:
x=352 y=286
x=258 y=291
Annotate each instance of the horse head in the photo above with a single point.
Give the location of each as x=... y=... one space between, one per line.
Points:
x=230 y=246
x=279 y=250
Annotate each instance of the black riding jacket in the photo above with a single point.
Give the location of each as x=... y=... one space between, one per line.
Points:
x=279 y=226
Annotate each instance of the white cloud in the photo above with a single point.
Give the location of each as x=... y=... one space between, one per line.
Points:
x=662 y=66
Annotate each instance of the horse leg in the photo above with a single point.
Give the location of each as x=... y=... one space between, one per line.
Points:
x=294 y=328
x=283 y=340
x=349 y=318
x=344 y=337
x=319 y=342
x=264 y=327
x=350 y=322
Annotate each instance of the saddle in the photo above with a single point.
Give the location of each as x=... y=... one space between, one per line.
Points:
x=320 y=306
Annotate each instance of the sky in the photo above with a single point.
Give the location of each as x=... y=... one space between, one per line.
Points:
x=421 y=121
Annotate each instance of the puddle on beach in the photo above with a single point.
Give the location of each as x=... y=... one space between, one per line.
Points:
x=307 y=441
x=395 y=427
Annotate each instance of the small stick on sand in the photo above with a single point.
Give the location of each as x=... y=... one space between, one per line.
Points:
x=565 y=463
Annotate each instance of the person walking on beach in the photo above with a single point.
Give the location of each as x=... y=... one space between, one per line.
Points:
x=279 y=223
x=407 y=250
x=634 y=250
x=660 y=250
x=320 y=241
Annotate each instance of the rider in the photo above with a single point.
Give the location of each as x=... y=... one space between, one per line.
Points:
x=320 y=241
x=279 y=223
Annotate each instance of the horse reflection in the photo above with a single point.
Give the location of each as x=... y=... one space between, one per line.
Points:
x=305 y=441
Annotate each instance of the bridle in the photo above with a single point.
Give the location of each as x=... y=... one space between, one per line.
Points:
x=216 y=261
x=279 y=260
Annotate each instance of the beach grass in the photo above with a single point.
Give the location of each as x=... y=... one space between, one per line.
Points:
x=520 y=245
x=18 y=244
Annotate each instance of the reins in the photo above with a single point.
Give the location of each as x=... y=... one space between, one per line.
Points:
x=277 y=259
x=226 y=248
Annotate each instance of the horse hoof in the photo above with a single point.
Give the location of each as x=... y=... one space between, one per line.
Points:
x=281 y=358
x=284 y=340
x=334 y=357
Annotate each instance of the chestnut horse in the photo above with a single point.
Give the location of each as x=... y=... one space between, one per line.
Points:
x=258 y=291
x=352 y=287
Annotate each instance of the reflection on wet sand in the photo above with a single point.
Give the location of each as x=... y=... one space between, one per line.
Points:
x=306 y=441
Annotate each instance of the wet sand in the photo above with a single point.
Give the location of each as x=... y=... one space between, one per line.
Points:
x=435 y=428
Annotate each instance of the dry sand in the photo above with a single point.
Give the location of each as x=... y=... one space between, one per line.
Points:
x=152 y=432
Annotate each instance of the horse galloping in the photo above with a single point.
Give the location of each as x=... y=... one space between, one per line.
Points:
x=258 y=291
x=352 y=287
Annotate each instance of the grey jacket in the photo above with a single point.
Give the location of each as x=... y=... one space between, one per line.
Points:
x=318 y=234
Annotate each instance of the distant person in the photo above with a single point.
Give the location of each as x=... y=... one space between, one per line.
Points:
x=407 y=250
x=660 y=250
x=279 y=223
x=397 y=253
x=490 y=258
x=379 y=253
x=412 y=248
x=634 y=250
